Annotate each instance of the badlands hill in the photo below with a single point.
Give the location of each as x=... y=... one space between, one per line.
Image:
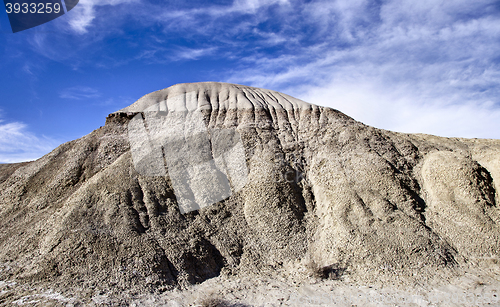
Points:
x=209 y=179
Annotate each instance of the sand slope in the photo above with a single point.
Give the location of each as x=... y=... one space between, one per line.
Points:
x=302 y=192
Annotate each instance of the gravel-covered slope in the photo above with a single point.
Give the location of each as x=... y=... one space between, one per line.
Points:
x=322 y=194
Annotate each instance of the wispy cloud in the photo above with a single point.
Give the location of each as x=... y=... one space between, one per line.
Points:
x=188 y=31
x=18 y=144
x=413 y=66
x=82 y=16
x=118 y=102
x=79 y=92
x=158 y=54
x=215 y=11
x=404 y=65
x=183 y=53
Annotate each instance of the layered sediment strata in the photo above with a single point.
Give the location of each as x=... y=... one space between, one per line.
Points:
x=308 y=187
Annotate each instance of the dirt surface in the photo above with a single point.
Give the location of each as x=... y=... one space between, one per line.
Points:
x=7 y=169
x=305 y=204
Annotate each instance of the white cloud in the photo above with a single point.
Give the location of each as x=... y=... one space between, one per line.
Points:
x=192 y=53
x=252 y=6
x=400 y=109
x=18 y=144
x=79 y=92
x=84 y=13
x=426 y=66
x=414 y=66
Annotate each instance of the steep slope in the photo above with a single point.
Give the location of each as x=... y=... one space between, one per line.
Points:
x=203 y=179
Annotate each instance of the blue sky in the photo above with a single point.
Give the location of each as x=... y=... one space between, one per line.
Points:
x=425 y=66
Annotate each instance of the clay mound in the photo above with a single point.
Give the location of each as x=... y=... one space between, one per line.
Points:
x=317 y=192
x=217 y=96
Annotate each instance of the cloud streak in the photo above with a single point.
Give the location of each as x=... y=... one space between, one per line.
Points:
x=18 y=144
x=401 y=66
x=411 y=66
x=85 y=12
x=79 y=93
